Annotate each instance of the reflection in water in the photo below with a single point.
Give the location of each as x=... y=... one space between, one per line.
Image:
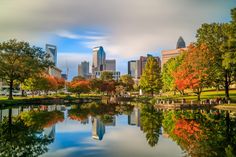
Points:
x=27 y=131
x=98 y=129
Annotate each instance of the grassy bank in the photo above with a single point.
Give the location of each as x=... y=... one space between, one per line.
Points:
x=206 y=94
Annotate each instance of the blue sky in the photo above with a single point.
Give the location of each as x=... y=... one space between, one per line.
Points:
x=126 y=29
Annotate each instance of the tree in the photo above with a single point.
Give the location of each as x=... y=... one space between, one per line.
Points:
x=167 y=73
x=79 y=87
x=214 y=36
x=19 y=61
x=151 y=78
x=106 y=75
x=127 y=82
x=196 y=70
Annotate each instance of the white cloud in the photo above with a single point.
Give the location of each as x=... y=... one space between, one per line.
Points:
x=132 y=28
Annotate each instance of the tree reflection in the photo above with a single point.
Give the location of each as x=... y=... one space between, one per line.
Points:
x=19 y=139
x=202 y=133
x=151 y=122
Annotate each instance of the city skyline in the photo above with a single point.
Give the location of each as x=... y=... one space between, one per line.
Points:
x=75 y=28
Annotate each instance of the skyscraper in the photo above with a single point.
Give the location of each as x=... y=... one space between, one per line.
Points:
x=180 y=43
x=133 y=68
x=167 y=54
x=99 y=57
x=52 y=51
x=110 y=65
x=83 y=69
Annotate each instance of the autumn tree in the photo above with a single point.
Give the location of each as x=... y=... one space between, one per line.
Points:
x=220 y=39
x=167 y=73
x=19 y=61
x=196 y=70
x=151 y=78
x=127 y=81
x=106 y=75
x=78 y=87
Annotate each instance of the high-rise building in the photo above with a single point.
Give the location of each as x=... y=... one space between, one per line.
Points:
x=83 y=69
x=180 y=43
x=168 y=54
x=64 y=76
x=52 y=51
x=136 y=67
x=110 y=65
x=99 y=57
x=133 y=68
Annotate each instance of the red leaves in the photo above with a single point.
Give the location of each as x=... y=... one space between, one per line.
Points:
x=194 y=71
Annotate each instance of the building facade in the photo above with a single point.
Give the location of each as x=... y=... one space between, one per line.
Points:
x=110 y=65
x=115 y=74
x=83 y=69
x=51 y=50
x=168 y=54
x=99 y=57
x=133 y=68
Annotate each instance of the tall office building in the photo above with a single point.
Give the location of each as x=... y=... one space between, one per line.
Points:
x=99 y=57
x=168 y=54
x=180 y=43
x=110 y=65
x=52 y=51
x=133 y=68
x=83 y=69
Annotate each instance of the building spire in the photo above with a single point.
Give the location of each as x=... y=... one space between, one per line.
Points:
x=180 y=43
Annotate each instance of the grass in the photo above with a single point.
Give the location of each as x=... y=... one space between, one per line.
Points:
x=206 y=94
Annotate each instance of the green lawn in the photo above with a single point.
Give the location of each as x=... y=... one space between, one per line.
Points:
x=206 y=94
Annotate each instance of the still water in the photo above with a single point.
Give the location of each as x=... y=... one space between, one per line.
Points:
x=115 y=130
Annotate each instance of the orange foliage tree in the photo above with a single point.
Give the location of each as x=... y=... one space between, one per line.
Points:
x=79 y=86
x=196 y=70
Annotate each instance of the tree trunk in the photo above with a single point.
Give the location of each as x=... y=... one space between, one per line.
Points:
x=152 y=93
x=11 y=90
x=226 y=86
x=198 y=96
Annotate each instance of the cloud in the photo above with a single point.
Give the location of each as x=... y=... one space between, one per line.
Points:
x=127 y=28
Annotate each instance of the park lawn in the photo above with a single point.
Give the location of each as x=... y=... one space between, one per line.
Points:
x=207 y=94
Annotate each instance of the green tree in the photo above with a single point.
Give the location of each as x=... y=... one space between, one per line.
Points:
x=214 y=36
x=151 y=78
x=106 y=75
x=127 y=82
x=19 y=61
x=167 y=73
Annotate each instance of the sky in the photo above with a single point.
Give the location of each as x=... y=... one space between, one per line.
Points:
x=127 y=29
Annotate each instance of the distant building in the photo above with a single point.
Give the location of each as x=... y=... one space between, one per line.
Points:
x=99 y=57
x=168 y=54
x=83 y=69
x=54 y=71
x=52 y=51
x=115 y=74
x=98 y=129
x=110 y=65
x=180 y=43
x=133 y=68
x=64 y=76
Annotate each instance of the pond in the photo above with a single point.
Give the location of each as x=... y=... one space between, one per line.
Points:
x=115 y=130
